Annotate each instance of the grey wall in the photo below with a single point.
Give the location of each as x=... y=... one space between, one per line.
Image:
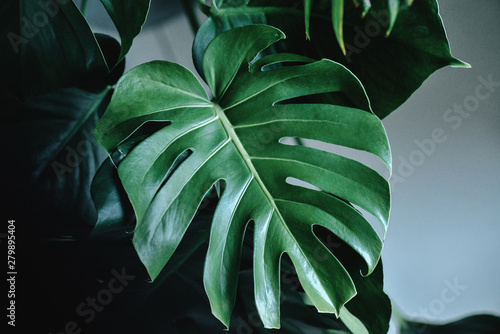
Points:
x=445 y=222
x=441 y=253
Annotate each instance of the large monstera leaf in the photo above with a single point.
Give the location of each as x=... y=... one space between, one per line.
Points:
x=172 y=144
x=380 y=41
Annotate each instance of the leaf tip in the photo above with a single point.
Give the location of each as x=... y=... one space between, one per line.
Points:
x=460 y=63
x=365 y=11
x=342 y=46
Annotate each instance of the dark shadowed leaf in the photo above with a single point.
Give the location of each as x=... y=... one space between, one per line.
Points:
x=52 y=157
x=128 y=17
x=385 y=40
x=49 y=44
x=476 y=324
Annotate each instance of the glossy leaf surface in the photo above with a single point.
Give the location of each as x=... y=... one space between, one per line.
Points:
x=160 y=113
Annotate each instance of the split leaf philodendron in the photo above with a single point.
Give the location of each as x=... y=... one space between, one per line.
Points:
x=172 y=144
x=218 y=190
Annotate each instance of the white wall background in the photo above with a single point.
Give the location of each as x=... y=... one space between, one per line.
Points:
x=445 y=222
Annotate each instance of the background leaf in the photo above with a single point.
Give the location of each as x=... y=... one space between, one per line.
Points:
x=338 y=22
x=476 y=324
x=52 y=159
x=415 y=48
x=128 y=17
x=50 y=45
x=114 y=211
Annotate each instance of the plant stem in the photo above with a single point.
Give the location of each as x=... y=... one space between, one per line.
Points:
x=191 y=15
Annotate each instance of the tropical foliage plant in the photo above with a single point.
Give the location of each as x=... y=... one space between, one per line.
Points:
x=213 y=178
x=223 y=139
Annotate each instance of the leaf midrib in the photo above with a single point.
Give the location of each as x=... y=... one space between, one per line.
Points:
x=255 y=175
x=321 y=121
x=246 y=158
x=76 y=128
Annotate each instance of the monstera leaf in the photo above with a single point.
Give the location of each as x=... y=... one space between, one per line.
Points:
x=172 y=144
x=50 y=45
x=380 y=41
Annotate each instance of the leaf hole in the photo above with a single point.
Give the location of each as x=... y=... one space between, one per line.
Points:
x=349 y=258
x=270 y=62
x=139 y=135
x=276 y=65
x=336 y=98
x=297 y=182
x=288 y=275
x=328 y=238
x=372 y=220
x=366 y=158
x=177 y=162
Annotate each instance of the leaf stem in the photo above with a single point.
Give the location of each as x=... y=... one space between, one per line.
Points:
x=245 y=156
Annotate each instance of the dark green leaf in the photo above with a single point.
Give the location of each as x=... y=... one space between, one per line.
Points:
x=114 y=211
x=307 y=16
x=338 y=22
x=53 y=47
x=128 y=17
x=49 y=44
x=393 y=7
x=234 y=141
x=371 y=306
x=53 y=157
x=416 y=45
x=476 y=324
